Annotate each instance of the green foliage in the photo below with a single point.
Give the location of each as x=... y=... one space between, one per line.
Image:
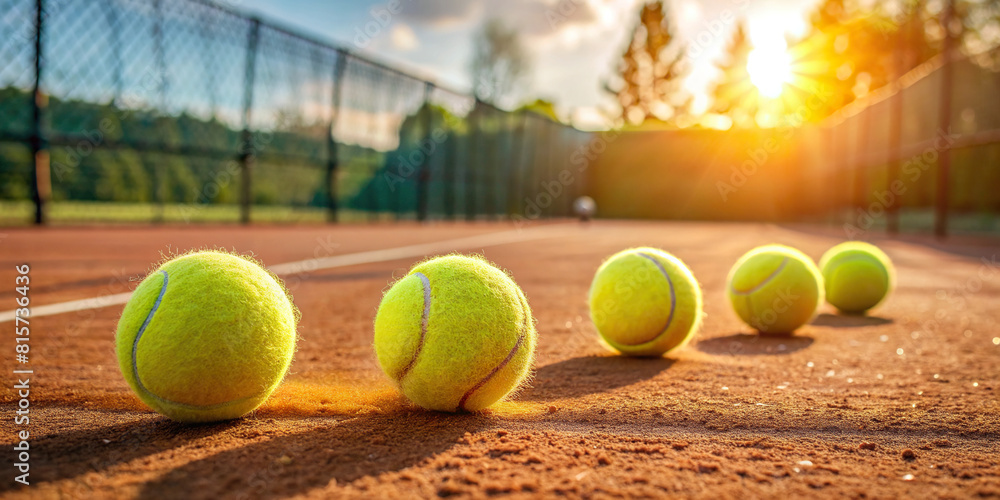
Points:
x=15 y=171
x=542 y=107
x=470 y=161
x=649 y=74
x=15 y=107
x=500 y=62
x=126 y=155
x=853 y=49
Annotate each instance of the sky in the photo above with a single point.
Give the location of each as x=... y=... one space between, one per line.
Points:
x=575 y=44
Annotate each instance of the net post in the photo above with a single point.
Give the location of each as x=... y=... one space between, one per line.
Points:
x=247 y=153
x=944 y=125
x=332 y=160
x=40 y=174
x=424 y=170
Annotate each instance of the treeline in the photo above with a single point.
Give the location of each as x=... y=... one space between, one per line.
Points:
x=103 y=152
x=484 y=163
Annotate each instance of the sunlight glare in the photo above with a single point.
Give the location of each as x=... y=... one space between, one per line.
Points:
x=770 y=67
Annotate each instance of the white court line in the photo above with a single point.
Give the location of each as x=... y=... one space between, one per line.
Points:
x=309 y=265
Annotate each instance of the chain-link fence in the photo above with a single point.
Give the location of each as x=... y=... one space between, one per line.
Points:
x=184 y=110
x=919 y=155
x=922 y=154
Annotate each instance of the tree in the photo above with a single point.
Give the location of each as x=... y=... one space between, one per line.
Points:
x=852 y=49
x=734 y=95
x=500 y=63
x=980 y=20
x=651 y=70
x=542 y=107
x=828 y=15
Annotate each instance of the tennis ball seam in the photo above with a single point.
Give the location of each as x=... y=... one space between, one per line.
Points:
x=135 y=364
x=502 y=364
x=764 y=282
x=749 y=292
x=835 y=263
x=673 y=302
x=424 y=320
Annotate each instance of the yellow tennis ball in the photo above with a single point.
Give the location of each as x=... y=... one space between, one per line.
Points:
x=857 y=276
x=455 y=333
x=775 y=289
x=207 y=336
x=645 y=302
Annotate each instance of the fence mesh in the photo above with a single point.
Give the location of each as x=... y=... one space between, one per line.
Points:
x=185 y=110
x=888 y=161
x=900 y=164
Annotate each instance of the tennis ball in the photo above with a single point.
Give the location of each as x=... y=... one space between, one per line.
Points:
x=775 y=289
x=455 y=333
x=207 y=336
x=645 y=302
x=857 y=276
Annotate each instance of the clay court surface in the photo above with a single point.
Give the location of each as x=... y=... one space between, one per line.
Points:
x=905 y=403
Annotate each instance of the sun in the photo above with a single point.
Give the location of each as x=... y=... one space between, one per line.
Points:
x=770 y=68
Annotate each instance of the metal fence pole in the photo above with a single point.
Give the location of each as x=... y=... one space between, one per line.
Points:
x=489 y=146
x=505 y=143
x=471 y=164
x=828 y=175
x=570 y=190
x=111 y=14
x=862 y=162
x=944 y=125
x=530 y=160
x=516 y=160
x=546 y=172
x=160 y=162
x=449 y=174
x=424 y=172
x=903 y=40
x=331 y=142
x=845 y=202
x=552 y=172
x=41 y=176
x=895 y=147
x=247 y=153
x=537 y=164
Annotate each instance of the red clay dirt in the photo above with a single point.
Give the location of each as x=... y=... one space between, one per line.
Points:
x=903 y=403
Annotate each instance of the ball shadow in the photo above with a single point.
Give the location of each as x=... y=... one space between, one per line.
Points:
x=333 y=451
x=742 y=344
x=591 y=374
x=66 y=455
x=849 y=320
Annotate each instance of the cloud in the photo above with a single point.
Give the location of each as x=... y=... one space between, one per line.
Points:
x=533 y=18
x=542 y=20
x=403 y=37
x=441 y=13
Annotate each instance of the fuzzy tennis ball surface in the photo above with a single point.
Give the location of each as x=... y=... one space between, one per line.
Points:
x=857 y=276
x=455 y=333
x=775 y=289
x=645 y=302
x=207 y=336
